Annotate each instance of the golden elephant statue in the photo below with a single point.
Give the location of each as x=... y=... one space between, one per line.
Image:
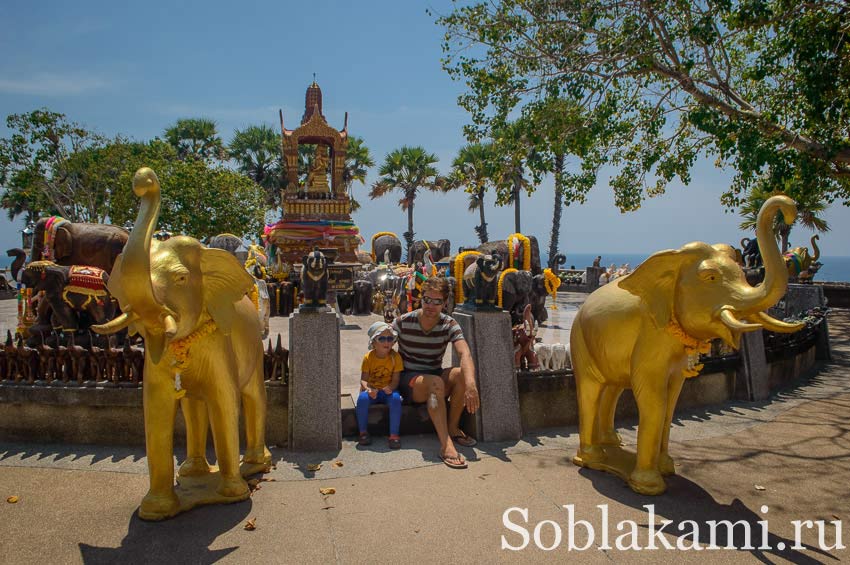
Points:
x=202 y=348
x=645 y=332
x=800 y=264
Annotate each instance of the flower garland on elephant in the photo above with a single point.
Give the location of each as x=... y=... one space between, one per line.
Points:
x=376 y=236
x=526 y=251
x=693 y=348
x=499 y=301
x=458 y=273
x=552 y=283
x=179 y=349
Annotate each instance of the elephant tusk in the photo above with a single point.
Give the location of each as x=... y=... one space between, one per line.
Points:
x=170 y=326
x=779 y=326
x=118 y=324
x=734 y=323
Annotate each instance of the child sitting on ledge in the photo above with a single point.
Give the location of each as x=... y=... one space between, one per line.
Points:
x=378 y=382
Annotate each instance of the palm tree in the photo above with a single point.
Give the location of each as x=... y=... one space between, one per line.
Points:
x=358 y=160
x=196 y=138
x=558 y=207
x=256 y=150
x=408 y=169
x=809 y=208
x=513 y=179
x=471 y=168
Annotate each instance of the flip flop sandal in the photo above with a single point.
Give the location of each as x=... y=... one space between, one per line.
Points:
x=457 y=462
x=464 y=440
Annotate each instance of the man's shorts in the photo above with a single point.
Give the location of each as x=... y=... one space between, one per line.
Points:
x=404 y=387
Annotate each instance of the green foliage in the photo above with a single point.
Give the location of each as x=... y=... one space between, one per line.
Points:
x=473 y=170
x=408 y=170
x=648 y=87
x=809 y=211
x=358 y=161
x=196 y=138
x=256 y=150
x=38 y=173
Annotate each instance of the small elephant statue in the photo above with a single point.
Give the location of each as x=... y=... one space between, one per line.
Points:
x=800 y=262
x=646 y=330
x=481 y=282
x=544 y=355
x=74 y=296
x=524 y=335
x=69 y=243
x=203 y=351
x=314 y=281
x=560 y=357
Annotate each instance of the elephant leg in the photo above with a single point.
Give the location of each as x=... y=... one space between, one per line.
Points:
x=665 y=462
x=197 y=424
x=160 y=407
x=223 y=406
x=651 y=396
x=589 y=392
x=254 y=406
x=607 y=407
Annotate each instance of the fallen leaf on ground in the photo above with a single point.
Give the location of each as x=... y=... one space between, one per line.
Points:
x=314 y=467
x=251 y=524
x=327 y=490
x=759 y=487
x=12 y=499
x=836 y=516
x=253 y=483
x=337 y=463
x=371 y=472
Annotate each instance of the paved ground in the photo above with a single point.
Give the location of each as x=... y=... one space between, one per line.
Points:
x=776 y=461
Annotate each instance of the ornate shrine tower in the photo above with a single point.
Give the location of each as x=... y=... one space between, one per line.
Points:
x=316 y=213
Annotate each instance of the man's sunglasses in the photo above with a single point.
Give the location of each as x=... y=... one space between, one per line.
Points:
x=434 y=301
x=385 y=338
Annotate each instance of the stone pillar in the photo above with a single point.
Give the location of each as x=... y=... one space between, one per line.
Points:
x=315 y=422
x=489 y=337
x=592 y=277
x=753 y=369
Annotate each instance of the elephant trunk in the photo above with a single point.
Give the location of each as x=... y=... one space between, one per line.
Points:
x=815 y=247
x=775 y=283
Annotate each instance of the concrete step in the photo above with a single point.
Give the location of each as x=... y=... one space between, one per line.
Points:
x=414 y=419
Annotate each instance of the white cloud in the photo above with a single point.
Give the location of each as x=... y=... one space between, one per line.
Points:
x=53 y=84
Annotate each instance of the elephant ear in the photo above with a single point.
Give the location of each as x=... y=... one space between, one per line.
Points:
x=654 y=282
x=62 y=242
x=225 y=283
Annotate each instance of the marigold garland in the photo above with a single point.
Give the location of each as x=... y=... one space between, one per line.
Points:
x=376 y=236
x=552 y=282
x=179 y=349
x=526 y=250
x=499 y=287
x=255 y=296
x=458 y=272
x=693 y=348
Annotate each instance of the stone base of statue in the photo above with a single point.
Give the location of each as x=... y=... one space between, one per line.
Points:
x=315 y=422
x=200 y=490
x=488 y=334
x=753 y=370
x=620 y=462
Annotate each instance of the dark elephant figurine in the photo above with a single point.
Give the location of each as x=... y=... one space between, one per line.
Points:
x=538 y=298
x=95 y=245
x=75 y=296
x=20 y=258
x=751 y=253
x=314 y=281
x=362 y=297
x=384 y=243
x=440 y=249
x=516 y=293
x=481 y=280
x=556 y=261
x=501 y=247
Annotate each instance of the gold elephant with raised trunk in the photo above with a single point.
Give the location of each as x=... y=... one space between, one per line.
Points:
x=645 y=332
x=202 y=348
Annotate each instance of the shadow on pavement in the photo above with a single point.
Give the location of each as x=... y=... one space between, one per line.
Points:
x=183 y=539
x=688 y=505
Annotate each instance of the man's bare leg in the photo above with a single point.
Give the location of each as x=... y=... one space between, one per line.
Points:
x=455 y=390
x=422 y=387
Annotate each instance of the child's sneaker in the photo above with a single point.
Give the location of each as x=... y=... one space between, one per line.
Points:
x=394 y=442
x=365 y=439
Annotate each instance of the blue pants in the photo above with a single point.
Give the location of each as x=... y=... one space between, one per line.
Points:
x=364 y=401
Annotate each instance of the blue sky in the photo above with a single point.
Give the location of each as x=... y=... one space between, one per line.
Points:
x=134 y=69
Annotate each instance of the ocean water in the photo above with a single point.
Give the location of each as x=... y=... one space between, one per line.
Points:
x=835 y=269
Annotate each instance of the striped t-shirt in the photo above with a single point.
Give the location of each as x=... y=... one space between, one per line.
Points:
x=424 y=351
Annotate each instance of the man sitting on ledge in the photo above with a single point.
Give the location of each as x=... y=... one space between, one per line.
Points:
x=422 y=339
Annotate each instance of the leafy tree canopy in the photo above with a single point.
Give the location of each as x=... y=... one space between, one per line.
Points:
x=761 y=85
x=196 y=138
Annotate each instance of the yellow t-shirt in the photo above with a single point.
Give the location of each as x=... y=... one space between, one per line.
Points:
x=381 y=371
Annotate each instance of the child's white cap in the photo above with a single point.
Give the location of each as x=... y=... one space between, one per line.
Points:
x=377 y=329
